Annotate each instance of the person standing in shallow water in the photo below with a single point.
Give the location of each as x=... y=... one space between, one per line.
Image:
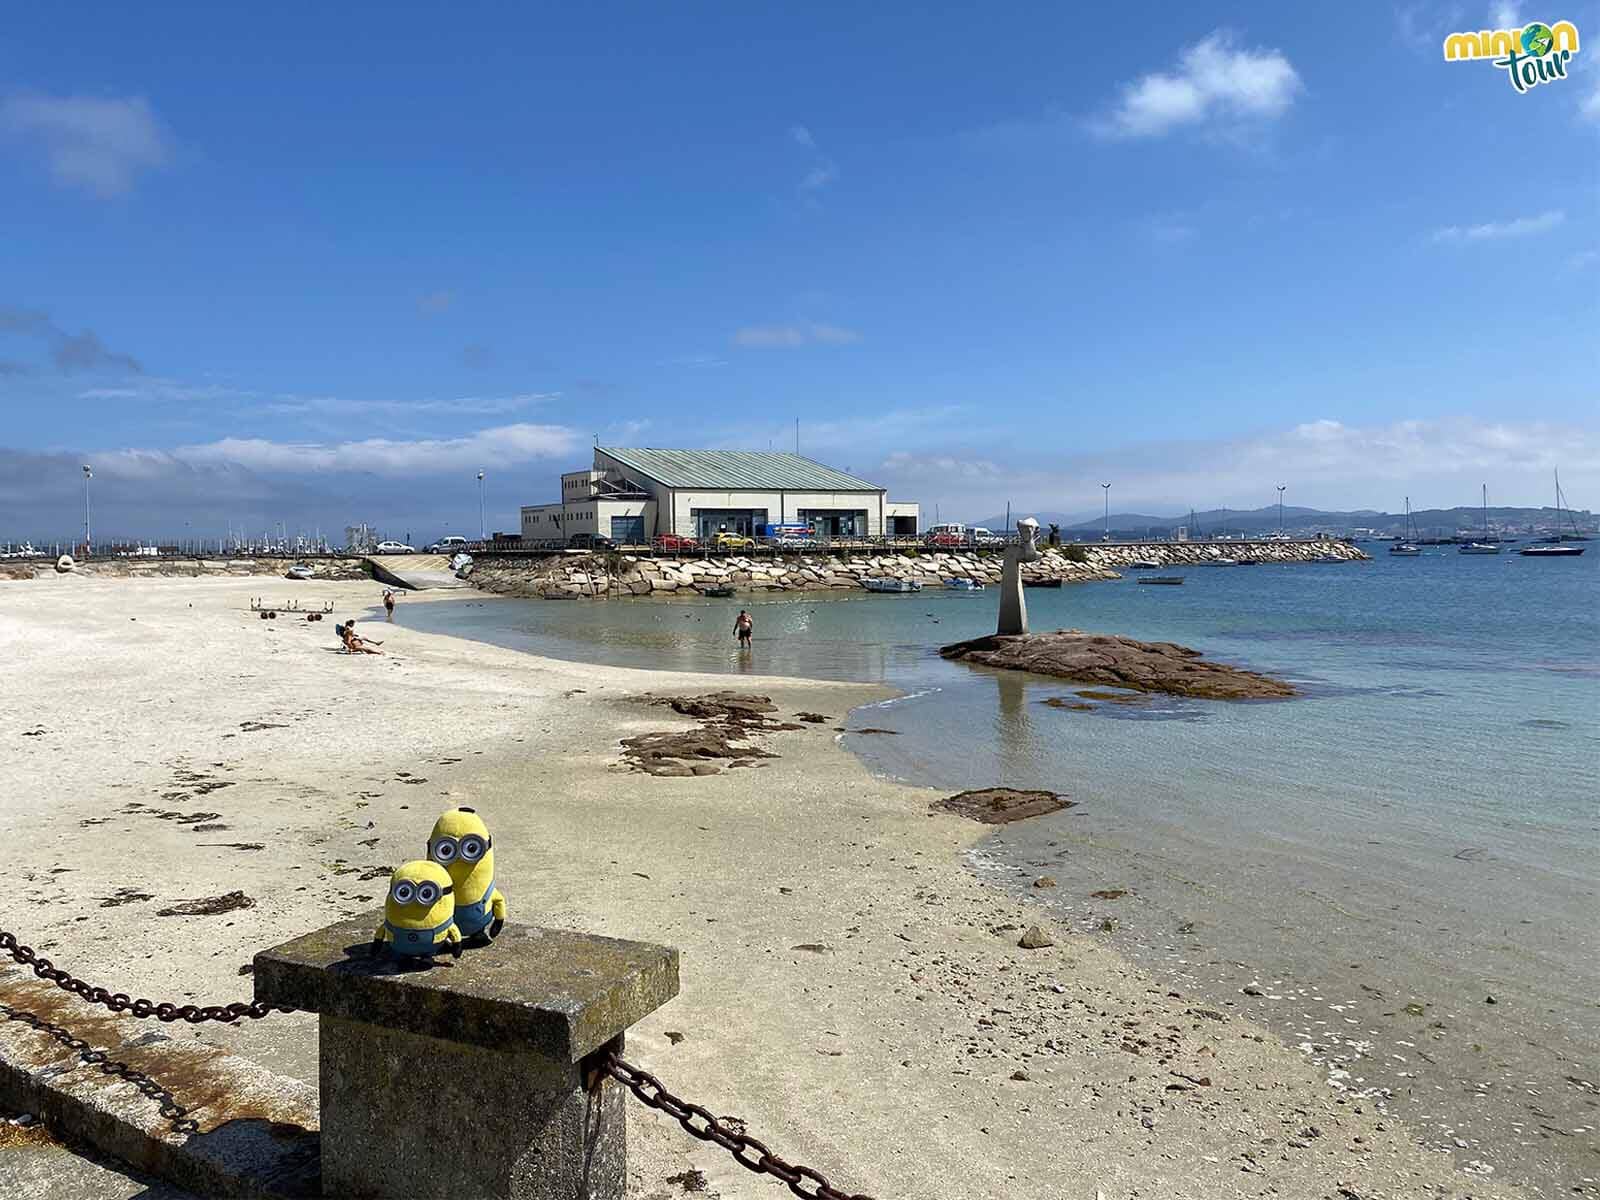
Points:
x=388 y=603
x=744 y=628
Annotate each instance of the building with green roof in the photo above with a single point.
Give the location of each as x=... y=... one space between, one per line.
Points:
x=633 y=496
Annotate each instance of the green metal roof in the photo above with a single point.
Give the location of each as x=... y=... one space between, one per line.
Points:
x=737 y=470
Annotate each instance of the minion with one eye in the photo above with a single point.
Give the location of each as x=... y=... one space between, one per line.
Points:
x=419 y=912
x=460 y=843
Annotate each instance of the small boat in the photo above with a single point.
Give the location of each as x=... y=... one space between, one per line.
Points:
x=1144 y=564
x=1047 y=583
x=963 y=585
x=1225 y=562
x=1558 y=550
x=1406 y=547
x=1486 y=546
x=1168 y=580
x=885 y=584
x=301 y=570
x=719 y=593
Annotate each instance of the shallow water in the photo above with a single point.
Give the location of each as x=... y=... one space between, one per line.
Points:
x=1420 y=830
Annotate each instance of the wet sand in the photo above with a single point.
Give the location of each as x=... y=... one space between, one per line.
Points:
x=849 y=988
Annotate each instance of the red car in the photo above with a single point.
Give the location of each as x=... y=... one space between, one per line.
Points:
x=676 y=541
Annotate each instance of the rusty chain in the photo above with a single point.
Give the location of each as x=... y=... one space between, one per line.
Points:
x=746 y=1150
x=119 y=1002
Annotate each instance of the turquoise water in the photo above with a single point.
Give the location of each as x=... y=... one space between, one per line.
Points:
x=1421 y=829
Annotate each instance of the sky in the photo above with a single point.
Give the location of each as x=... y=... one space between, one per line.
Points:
x=322 y=264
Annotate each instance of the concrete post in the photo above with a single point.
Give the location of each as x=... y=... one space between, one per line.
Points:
x=469 y=1077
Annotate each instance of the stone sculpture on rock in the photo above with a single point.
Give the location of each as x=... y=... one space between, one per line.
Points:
x=1013 y=608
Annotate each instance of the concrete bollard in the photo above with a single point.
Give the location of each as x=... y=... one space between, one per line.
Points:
x=469 y=1077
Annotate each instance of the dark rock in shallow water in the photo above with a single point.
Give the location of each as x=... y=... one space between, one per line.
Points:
x=1114 y=661
x=1000 y=806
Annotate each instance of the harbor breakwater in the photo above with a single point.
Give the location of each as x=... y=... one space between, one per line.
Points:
x=341 y=567
x=564 y=576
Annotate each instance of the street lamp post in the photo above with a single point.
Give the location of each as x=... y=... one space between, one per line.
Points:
x=1281 y=486
x=1106 y=536
x=87 y=475
x=483 y=532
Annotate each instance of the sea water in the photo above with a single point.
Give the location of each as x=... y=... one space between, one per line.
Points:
x=1398 y=871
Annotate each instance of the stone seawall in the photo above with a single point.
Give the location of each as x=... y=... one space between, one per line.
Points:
x=350 y=567
x=573 y=575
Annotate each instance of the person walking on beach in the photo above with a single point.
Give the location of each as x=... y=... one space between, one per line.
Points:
x=744 y=628
x=388 y=602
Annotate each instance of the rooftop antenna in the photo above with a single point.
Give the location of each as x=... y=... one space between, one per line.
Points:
x=797 y=435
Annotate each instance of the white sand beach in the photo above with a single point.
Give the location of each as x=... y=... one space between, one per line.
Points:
x=848 y=988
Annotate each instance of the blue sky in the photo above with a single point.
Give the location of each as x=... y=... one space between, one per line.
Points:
x=322 y=263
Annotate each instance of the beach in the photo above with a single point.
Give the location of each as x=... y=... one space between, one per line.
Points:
x=849 y=988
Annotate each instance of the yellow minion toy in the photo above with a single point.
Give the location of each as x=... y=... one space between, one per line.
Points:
x=419 y=912
x=460 y=843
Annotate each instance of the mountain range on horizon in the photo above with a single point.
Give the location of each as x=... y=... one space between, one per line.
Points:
x=1265 y=520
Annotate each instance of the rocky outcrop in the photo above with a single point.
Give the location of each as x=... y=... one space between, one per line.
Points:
x=1002 y=805
x=1112 y=661
x=571 y=576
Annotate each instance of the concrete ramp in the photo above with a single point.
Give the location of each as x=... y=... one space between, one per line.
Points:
x=415 y=572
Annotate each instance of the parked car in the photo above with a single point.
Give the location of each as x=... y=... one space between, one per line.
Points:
x=979 y=536
x=395 y=548
x=951 y=534
x=590 y=541
x=732 y=541
x=447 y=545
x=676 y=541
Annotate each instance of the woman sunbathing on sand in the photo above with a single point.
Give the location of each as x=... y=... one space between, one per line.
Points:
x=353 y=643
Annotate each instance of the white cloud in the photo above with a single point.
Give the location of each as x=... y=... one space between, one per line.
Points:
x=1326 y=463
x=802 y=136
x=97 y=144
x=502 y=446
x=777 y=337
x=1495 y=230
x=1589 y=105
x=1505 y=16
x=1215 y=82
x=455 y=406
x=819 y=176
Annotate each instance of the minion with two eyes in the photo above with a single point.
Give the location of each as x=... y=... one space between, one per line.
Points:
x=460 y=843
x=419 y=913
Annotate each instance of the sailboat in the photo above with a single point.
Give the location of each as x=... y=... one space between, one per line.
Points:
x=1558 y=550
x=1485 y=546
x=1406 y=547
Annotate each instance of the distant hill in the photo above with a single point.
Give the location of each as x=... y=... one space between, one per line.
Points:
x=1428 y=522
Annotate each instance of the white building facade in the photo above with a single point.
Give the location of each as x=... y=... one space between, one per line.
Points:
x=633 y=496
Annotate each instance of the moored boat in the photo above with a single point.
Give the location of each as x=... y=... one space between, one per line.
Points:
x=1045 y=583
x=301 y=570
x=719 y=593
x=963 y=585
x=1168 y=580
x=1558 y=549
x=886 y=584
x=1405 y=547
x=1144 y=564
x=1486 y=546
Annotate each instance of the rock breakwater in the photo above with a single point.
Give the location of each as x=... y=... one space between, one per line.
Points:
x=571 y=576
